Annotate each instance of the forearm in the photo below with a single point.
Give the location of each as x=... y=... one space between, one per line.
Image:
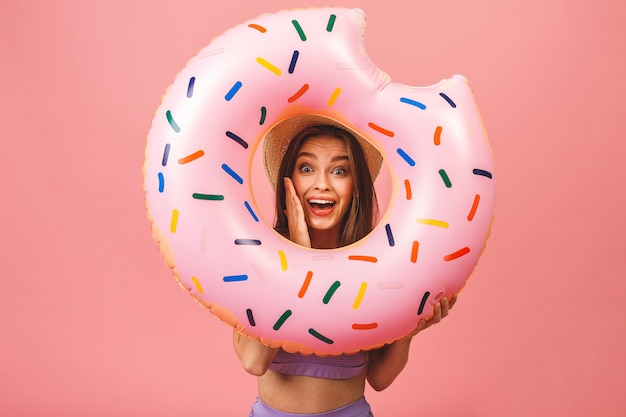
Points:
x=255 y=357
x=387 y=363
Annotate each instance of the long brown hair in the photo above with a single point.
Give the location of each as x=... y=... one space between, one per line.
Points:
x=363 y=211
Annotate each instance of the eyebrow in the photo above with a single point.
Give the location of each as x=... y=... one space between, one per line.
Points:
x=314 y=156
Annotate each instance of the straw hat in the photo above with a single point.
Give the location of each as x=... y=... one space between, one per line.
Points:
x=278 y=137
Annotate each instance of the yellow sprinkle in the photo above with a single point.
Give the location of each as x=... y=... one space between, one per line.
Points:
x=269 y=66
x=283 y=260
x=174 y=221
x=433 y=222
x=359 y=297
x=197 y=284
x=333 y=96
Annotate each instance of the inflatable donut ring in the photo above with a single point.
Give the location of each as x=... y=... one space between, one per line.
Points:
x=207 y=193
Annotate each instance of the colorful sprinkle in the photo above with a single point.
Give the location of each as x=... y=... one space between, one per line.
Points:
x=268 y=65
x=198 y=285
x=281 y=320
x=413 y=103
x=359 y=296
x=166 y=154
x=192 y=82
x=235 y=278
x=407 y=189
x=483 y=173
x=253 y=242
x=252 y=213
x=380 y=129
x=390 y=238
x=406 y=157
x=190 y=158
x=415 y=247
x=364 y=326
x=233 y=90
x=171 y=121
x=298 y=94
x=433 y=222
x=232 y=173
x=334 y=96
x=331 y=291
x=437 y=138
x=320 y=337
x=283 y=260
x=161 y=182
x=448 y=99
x=263 y=115
x=363 y=258
x=331 y=23
x=420 y=310
x=305 y=284
x=250 y=317
x=457 y=254
x=174 y=221
x=299 y=30
x=237 y=139
x=213 y=197
x=472 y=213
x=445 y=178
x=257 y=27
x=294 y=60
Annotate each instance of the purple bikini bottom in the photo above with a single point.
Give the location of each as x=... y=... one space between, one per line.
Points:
x=359 y=408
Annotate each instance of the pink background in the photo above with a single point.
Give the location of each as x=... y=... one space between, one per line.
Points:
x=92 y=322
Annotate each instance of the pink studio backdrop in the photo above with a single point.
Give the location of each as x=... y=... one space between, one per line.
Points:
x=92 y=322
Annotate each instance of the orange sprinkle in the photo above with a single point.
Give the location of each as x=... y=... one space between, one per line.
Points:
x=381 y=130
x=192 y=157
x=305 y=284
x=364 y=326
x=472 y=212
x=438 y=135
x=363 y=258
x=407 y=188
x=414 y=250
x=299 y=93
x=257 y=27
x=457 y=254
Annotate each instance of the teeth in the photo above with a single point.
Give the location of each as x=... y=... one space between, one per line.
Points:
x=322 y=202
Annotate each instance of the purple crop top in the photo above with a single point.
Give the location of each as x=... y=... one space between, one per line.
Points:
x=331 y=367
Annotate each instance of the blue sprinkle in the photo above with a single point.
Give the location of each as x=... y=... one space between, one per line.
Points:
x=413 y=103
x=254 y=216
x=406 y=157
x=294 y=59
x=250 y=317
x=232 y=173
x=390 y=238
x=192 y=82
x=253 y=242
x=483 y=173
x=235 y=278
x=237 y=139
x=166 y=154
x=161 y=182
x=448 y=99
x=231 y=93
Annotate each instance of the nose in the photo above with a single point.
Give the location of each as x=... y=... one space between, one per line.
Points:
x=322 y=181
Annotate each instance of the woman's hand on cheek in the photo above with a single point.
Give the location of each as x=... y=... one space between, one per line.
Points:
x=298 y=230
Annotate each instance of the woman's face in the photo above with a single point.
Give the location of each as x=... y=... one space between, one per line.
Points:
x=323 y=182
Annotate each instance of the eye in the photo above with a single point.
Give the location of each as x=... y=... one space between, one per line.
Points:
x=340 y=171
x=305 y=169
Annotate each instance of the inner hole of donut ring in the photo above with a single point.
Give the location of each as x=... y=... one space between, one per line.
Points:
x=263 y=194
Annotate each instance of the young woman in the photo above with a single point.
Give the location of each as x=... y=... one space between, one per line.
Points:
x=325 y=199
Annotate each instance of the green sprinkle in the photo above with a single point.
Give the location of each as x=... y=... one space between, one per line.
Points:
x=320 y=336
x=215 y=197
x=331 y=292
x=263 y=115
x=171 y=121
x=445 y=178
x=282 y=319
x=299 y=29
x=331 y=23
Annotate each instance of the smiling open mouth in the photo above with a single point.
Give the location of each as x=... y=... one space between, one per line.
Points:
x=321 y=204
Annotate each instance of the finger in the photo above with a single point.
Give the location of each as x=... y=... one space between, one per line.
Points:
x=445 y=306
x=453 y=301
x=436 y=318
